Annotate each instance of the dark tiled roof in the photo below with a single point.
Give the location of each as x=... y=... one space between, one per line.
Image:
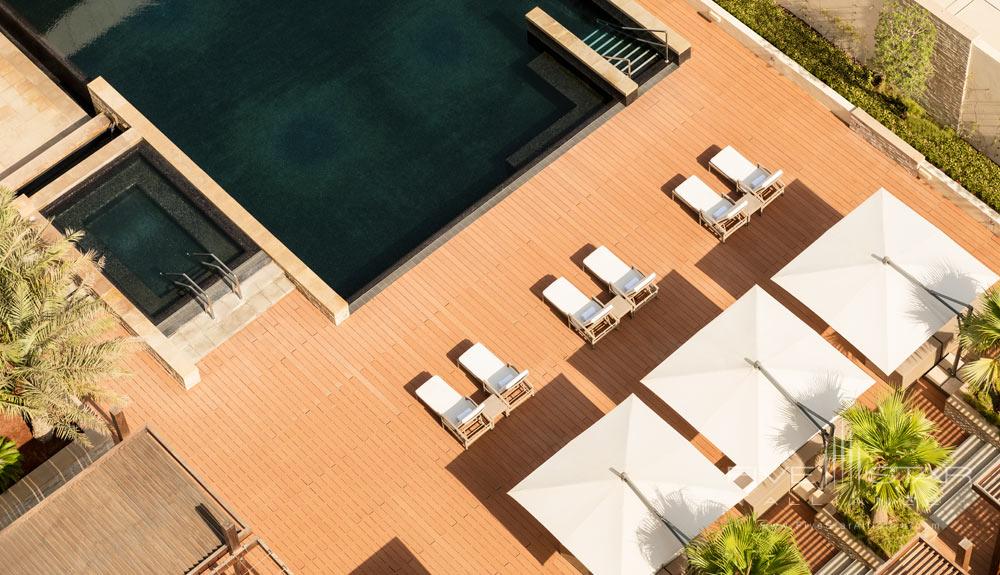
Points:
x=138 y=509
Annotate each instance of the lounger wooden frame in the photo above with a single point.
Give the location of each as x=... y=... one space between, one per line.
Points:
x=595 y=332
x=764 y=195
x=726 y=227
x=511 y=397
x=470 y=431
x=641 y=297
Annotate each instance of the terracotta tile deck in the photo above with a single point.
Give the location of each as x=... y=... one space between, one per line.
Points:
x=33 y=109
x=312 y=431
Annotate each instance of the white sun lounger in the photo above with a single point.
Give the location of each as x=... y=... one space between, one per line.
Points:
x=715 y=212
x=748 y=177
x=459 y=415
x=588 y=317
x=499 y=378
x=628 y=282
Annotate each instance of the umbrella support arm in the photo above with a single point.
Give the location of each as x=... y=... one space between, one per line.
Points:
x=674 y=530
x=822 y=424
x=942 y=298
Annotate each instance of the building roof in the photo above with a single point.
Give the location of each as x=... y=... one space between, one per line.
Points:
x=138 y=509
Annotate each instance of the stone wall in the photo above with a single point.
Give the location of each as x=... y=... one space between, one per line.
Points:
x=964 y=91
x=945 y=92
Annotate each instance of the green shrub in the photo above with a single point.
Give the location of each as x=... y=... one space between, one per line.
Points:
x=888 y=538
x=942 y=146
x=10 y=463
x=984 y=405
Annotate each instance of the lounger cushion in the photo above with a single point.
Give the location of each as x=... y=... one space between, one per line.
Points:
x=768 y=181
x=446 y=402
x=482 y=363
x=507 y=379
x=757 y=178
x=566 y=297
x=604 y=264
x=732 y=164
x=701 y=198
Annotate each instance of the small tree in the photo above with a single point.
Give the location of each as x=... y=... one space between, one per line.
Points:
x=10 y=463
x=980 y=335
x=746 y=546
x=886 y=460
x=904 y=43
x=55 y=346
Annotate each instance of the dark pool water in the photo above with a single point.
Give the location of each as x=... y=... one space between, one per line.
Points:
x=354 y=130
x=143 y=227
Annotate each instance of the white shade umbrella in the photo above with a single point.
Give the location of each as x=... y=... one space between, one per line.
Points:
x=886 y=279
x=758 y=383
x=633 y=524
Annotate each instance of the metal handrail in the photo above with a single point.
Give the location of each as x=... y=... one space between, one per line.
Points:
x=628 y=63
x=199 y=294
x=629 y=29
x=218 y=265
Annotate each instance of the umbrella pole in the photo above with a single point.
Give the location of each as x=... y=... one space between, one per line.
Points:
x=810 y=415
x=674 y=530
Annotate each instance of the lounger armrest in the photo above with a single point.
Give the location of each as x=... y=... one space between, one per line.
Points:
x=605 y=310
x=771 y=180
x=641 y=285
x=521 y=376
x=734 y=211
x=471 y=415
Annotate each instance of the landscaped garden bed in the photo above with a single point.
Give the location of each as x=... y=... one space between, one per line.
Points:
x=941 y=146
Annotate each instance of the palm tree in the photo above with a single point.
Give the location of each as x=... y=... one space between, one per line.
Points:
x=886 y=459
x=55 y=346
x=746 y=546
x=980 y=334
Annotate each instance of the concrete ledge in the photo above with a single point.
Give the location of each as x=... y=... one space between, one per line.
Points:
x=125 y=115
x=655 y=27
x=837 y=534
x=886 y=140
x=56 y=153
x=961 y=197
x=559 y=38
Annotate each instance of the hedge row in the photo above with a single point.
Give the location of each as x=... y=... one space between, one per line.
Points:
x=942 y=146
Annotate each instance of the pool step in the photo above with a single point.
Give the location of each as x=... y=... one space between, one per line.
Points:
x=623 y=52
x=202 y=334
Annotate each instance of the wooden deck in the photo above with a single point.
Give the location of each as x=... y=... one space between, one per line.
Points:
x=313 y=431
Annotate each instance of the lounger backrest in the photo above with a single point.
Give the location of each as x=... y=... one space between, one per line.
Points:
x=438 y=395
x=481 y=362
x=565 y=296
x=603 y=263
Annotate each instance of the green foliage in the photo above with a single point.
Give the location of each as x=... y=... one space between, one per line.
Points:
x=942 y=146
x=746 y=546
x=888 y=537
x=10 y=463
x=885 y=464
x=904 y=42
x=54 y=344
x=980 y=336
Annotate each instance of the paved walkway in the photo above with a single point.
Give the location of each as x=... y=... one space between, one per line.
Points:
x=312 y=431
x=33 y=110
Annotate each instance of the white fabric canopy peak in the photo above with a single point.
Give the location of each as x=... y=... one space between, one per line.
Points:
x=712 y=383
x=580 y=498
x=842 y=278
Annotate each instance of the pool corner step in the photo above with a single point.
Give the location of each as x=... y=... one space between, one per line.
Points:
x=202 y=334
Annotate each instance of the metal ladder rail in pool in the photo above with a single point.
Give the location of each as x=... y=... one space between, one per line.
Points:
x=199 y=294
x=217 y=265
x=622 y=48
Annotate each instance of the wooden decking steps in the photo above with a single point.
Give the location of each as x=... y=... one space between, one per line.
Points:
x=56 y=153
x=970 y=459
x=843 y=564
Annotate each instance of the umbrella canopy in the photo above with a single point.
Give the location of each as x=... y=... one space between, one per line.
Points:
x=735 y=381
x=613 y=525
x=844 y=277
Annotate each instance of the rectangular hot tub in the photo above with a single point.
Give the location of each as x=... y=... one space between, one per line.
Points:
x=149 y=224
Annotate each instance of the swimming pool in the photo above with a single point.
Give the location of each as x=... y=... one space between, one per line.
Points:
x=353 y=130
x=150 y=226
